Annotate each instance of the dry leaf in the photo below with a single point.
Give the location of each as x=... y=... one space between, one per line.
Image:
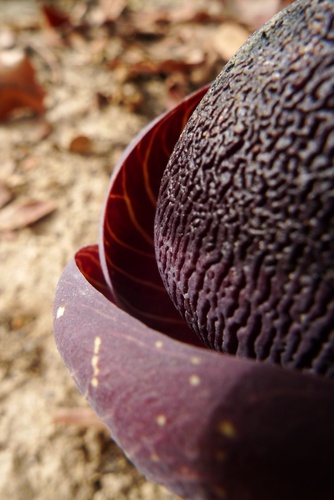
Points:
x=176 y=89
x=79 y=417
x=19 y=87
x=58 y=26
x=191 y=14
x=228 y=39
x=254 y=13
x=170 y=52
x=146 y=22
x=155 y=21
x=81 y=144
x=23 y=213
x=166 y=56
x=55 y=18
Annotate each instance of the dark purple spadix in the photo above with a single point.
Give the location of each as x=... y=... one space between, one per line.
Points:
x=245 y=218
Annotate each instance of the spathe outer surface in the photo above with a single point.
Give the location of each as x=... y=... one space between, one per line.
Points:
x=205 y=425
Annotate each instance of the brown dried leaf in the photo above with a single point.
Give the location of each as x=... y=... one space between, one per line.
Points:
x=228 y=39
x=81 y=144
x=254 y=13
x=55 y=18
x=176 y=89
x=19 y=87
x=59 y=27
x=23 y=213
x=167 y=56
x=79 y=417
x=189 y=13
x=170 y=52
x=153 y=23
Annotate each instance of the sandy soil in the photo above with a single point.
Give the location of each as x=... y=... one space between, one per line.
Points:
x=41 y=458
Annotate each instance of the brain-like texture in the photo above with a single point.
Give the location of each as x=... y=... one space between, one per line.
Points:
x=245 y=222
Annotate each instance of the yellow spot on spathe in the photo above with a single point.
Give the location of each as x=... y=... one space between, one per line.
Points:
x=227 y=429
x=158 y=344
x=60 y=312
x=194 y=380
x=161 y=420
x=97 y=345
x=95 y=360
x=195 y=360
x=154 y=457
x=94 y=381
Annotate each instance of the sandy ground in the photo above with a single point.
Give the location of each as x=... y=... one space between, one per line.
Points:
x=41 y=458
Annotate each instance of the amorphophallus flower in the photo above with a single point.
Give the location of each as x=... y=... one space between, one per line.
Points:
x=221 y=239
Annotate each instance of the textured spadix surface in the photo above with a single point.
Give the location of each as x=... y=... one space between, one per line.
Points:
x=245 y=218
x=205 y=425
